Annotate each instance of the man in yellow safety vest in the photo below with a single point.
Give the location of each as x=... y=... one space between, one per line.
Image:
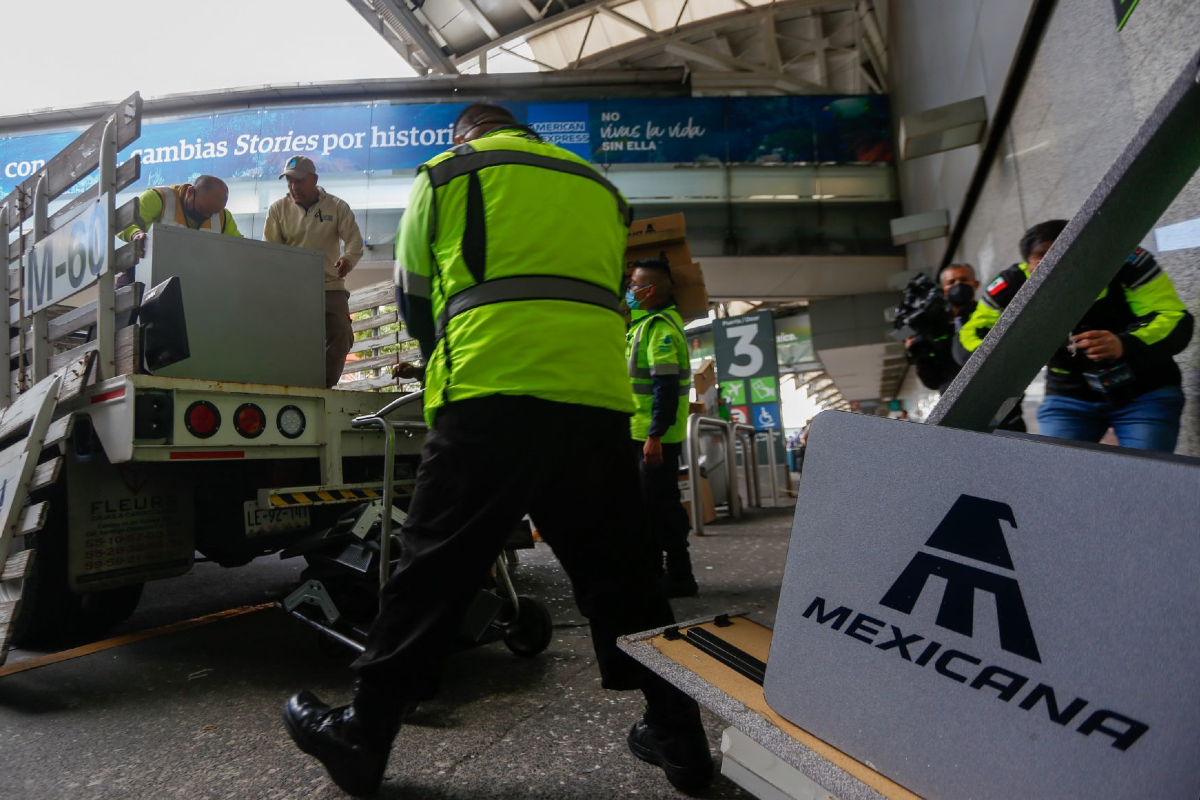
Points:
x=199 y=206
x=511 y=289
x=660 y=374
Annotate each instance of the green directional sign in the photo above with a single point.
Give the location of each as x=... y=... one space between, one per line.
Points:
x=764 y=390
x=734 y=392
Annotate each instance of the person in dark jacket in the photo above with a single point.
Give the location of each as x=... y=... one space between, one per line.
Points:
x=938 y=362
x=1117 y=368
x=933 y=359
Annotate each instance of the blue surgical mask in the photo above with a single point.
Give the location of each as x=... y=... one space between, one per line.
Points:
x=631 y=299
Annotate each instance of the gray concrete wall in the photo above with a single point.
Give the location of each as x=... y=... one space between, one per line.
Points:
x=943 y=51
x=1090 y=88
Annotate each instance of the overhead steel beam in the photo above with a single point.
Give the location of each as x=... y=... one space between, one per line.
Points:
x=826 y=394
x=530 y=9
x=875 y=40
x=1132 y=196
x=481 y=19
x=523 y=57
x=692 y=52
x=548 y=23
x=583 y=42
x=402 y=46
x=873 y=43
x=415 y=28
x=771 y=42
x=866 y=76
x=741 y=18
x=624 y=20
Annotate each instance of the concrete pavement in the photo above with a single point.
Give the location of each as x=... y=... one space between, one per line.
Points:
x=194 y=714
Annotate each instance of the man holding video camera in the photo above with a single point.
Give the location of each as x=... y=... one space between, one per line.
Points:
x=1117 y=368
x=933 y=316
x=929 y=345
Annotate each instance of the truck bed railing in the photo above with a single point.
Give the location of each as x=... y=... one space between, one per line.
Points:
x=59 y=255
x=369 y=366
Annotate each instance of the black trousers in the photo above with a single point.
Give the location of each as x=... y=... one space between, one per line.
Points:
x=485 y=464
x=667 y=521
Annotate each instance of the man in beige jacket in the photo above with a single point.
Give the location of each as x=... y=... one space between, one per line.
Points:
x=311 y=217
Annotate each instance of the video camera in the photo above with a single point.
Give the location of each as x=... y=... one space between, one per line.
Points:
x=923 y=313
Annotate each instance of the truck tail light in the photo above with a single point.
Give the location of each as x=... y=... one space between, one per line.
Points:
x=202 y=419
x=290 y=422
x=249 y=420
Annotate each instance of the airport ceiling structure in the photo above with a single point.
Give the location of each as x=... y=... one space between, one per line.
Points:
x=724 y=47
x=715 y=47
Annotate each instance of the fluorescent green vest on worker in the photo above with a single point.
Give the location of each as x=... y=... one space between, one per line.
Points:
x=655 y=345
x=528 y=244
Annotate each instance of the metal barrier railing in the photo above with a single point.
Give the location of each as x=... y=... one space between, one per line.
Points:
x=772 y=465
x=695 y=423
x=743 y=433
x=379 y=420
x=748 y=436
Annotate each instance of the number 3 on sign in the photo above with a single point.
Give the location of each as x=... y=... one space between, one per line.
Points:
x=744 y=346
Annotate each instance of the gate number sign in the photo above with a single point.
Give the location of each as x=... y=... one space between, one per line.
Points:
x=747 y=368
x=68 y=260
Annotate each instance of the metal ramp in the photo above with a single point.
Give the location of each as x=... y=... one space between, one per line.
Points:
x=27 y=428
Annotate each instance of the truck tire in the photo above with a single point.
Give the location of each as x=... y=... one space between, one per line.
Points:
x=100 y=611
x=51 y=612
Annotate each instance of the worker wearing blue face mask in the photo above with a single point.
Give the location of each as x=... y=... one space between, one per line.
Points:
x=660 y=374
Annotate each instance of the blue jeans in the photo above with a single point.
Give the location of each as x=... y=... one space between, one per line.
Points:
x=1149 y=422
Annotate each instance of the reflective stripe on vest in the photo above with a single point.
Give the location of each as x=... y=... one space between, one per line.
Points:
x=467 y=160
x=648 y=373
x=172 y=215
x=526 y=287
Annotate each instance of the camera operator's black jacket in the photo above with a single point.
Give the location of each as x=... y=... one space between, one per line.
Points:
x=1140 y=305
x=934 y=360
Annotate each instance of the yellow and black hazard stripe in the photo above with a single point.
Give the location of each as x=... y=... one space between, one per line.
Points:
x=289 y=499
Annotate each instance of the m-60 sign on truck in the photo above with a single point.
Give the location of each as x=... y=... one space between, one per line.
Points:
x=68 y=260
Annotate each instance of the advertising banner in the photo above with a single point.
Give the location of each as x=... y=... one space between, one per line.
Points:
x=369 y=137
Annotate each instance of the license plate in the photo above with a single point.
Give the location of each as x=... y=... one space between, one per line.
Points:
x=262 y=521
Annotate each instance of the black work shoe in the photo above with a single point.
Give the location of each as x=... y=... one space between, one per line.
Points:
x=354 y=754
x=680 y=585
x=679 y=581
x=683 y=755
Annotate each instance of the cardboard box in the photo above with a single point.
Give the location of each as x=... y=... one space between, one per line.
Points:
x=708 y=507
x=666 y=237
x=704 y=381
x=690 y=292
x=705 y=377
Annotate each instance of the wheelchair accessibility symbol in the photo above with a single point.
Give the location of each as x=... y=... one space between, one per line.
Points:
x=766 y=417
